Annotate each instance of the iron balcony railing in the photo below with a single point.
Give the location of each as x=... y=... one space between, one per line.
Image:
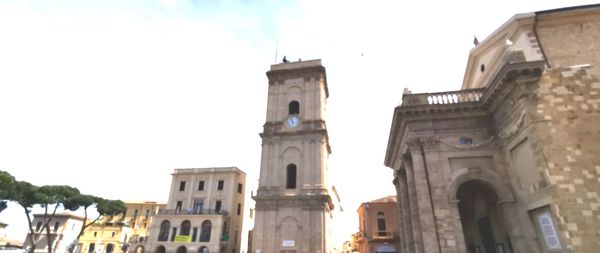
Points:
x=192 y=212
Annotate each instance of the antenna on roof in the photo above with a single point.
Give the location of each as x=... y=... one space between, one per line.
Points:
x=276 y=45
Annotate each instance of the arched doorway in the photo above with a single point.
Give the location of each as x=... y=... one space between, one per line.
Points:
x=160 y=249
x=110 y=248
x=203 y=249
x=385 y=249
x=181 y=249
x=482 y=218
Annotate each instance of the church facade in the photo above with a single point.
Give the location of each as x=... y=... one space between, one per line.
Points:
x=293 y=205
x=510 y=162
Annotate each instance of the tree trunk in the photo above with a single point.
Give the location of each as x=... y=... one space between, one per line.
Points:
x=31 y=232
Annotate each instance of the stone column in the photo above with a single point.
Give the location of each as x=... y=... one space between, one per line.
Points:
x=400 y=226
x=454 y=216
x=426 y=215
x=404 y=203
x=414 y=210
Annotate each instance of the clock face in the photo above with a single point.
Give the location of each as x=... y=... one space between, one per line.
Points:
x=293 y=122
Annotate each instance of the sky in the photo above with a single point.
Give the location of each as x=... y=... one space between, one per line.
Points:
x=110 y=96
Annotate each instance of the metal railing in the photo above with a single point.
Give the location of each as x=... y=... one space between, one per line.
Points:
x=191 y=212
x=383 y=235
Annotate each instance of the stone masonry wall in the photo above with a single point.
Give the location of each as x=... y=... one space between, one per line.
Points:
x=582 y=38
x=568 y=133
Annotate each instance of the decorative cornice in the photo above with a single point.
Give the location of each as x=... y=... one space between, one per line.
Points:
x=311 y=72
x=453 y=104
x=312 y=201
x=467 y=146
x=278 y=129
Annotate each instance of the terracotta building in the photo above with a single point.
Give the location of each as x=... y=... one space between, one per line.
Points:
x=510 y=162
x=378 y=226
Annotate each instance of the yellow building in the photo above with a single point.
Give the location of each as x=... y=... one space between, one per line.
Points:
x=110 y=234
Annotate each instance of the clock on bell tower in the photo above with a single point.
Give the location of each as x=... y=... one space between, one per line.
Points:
x=293 y=205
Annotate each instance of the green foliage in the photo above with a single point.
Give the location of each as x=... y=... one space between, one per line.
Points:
x=55 y=194
x=7 y=185
x=26 y=194
x=7 y=189
x=80 y=200
x=110 y=207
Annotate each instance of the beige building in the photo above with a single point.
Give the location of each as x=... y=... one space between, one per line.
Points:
x=110 y=234
x=64 y=228
x=510 y=162
x=293 y=204
x=378 y=226
x=204 y=213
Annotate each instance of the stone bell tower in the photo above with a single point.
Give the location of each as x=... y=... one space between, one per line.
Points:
x=293 y=205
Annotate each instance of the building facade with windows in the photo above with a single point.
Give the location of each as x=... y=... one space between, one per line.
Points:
x=64 y=228
x=204 y=213
x=378 y=226
x=510 y=162
x=113 y=234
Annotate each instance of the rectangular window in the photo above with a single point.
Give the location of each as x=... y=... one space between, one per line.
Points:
x=178 y=207
x=545 y=228
x=56 y=226
x=201 y=186
x=218 y=206
x=220 y=186
x=239 y=209
x=182 y=186
x=291 y=177
x=198 y=206
x=194 y=234
x=173 y=234
x=38 y=226
x=91 y=247
x=240 y=188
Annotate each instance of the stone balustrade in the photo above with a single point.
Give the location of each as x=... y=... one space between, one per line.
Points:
x=442 y=98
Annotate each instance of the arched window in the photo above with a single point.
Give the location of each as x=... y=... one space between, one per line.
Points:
x=163 y=234
x=182 y=249
x=203 y=249
x=110 y=248
x=139 y=249
x=185 y=227
x=160 y=249
x=291 y=176
x=205 y=231
x=381 y=224
x=294 y=108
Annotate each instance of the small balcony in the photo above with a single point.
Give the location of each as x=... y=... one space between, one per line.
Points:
x=375 y=236
x=383 y=235
x=192 y=212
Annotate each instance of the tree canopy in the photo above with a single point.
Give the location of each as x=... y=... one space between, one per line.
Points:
x=52 y=198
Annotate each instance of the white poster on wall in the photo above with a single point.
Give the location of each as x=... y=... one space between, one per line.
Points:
x=288 y=243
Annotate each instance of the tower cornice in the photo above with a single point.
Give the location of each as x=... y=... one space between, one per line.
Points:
x=306 y=70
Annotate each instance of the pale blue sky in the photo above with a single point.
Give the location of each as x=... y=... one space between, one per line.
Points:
x=110 y=96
